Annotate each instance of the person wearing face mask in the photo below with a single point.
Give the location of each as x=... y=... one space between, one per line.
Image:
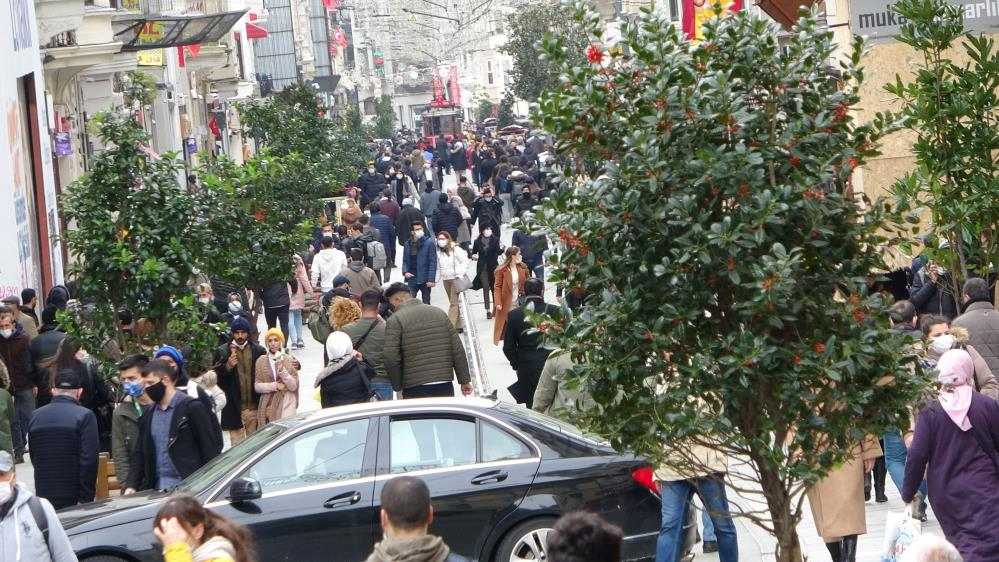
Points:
x=485 y=253
x=234 y=364
x=419 y=262
x=447 y=217
x=402 y=186
x=931 y=291
x=175 y=434
x=234 y=309
x=16 y=354
x=488 y=211
x=23 y=517
x=206 y=303
x=125 y=419
x=525 y=202
x=64 y=445
x=509 y=286
x=371 y=183
x=452 y=264
x=941 y=338
x=408 y=216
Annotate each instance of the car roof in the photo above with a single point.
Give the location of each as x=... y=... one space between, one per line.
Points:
x=388 y=406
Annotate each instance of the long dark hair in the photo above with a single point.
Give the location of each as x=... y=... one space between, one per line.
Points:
x=190 y=513
x=65 y=358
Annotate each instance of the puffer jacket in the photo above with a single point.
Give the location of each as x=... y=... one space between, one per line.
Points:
x=446 y=219
x=340 y=383
x=20 y=538
x=422 y=347
x=451 y=266
x=7 y=417
x=982 y=322
x=275 y=294
x=423 y=265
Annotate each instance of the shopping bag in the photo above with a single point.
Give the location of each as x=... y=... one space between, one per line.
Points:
x=901 y=530
x=461 y=284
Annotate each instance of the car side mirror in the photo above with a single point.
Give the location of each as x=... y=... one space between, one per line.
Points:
x=244 y=489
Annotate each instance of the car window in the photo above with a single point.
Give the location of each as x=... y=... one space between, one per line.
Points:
x=324 y=455
x=226 y=463
x=423 y=443
x=498 y=445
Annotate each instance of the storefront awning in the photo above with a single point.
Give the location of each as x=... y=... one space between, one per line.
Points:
x=784 y=12
x=174 y=31
x=255 y=31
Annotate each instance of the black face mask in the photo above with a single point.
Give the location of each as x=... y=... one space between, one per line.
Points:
x=156 y=392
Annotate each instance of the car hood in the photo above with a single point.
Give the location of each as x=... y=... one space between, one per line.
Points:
x=110 y=512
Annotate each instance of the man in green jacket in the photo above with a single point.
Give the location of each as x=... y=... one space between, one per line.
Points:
x=125 y=419
x=7 y=412
x=423 y=352
x=371 y=328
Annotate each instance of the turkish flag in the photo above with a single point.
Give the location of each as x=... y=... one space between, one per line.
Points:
x=696 y=12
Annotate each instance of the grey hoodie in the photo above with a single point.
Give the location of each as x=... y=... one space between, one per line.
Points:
x=21 y=540
x=428 y=548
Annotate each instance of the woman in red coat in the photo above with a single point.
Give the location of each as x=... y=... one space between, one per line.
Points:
x=509 y=285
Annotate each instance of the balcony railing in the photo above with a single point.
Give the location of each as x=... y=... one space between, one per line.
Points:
x=64 y=39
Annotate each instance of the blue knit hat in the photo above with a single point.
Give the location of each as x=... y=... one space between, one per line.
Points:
x=172 y=352
x=240 y=324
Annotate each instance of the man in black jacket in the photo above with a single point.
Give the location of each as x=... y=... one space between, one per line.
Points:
x=488 y=211
x=175 y=434
x=522 y=347
x=371 y=183
x=234 y=364
x=43 y=347
x=65 y=445
x=446 y=218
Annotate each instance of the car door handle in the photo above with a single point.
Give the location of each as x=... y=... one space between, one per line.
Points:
x=490 y=477
x=349 y=498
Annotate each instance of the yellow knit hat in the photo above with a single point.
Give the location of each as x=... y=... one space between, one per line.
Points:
x=274 y=332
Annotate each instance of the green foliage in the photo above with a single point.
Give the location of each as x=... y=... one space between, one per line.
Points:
x=139 y=86
x=384 y=118
x=136 y=247
x=505 y=114
x=295 y=121
x=527 y=27
x=728 y=263
x=254 y=223
x=954 y=110
x=484 y=110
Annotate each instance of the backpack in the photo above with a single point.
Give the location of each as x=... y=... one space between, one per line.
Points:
x=376 y=252
x=41 y=519
x=319 y=324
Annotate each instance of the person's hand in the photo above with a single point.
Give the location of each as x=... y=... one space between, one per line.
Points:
x=34 y=391
x=466 y=389
x=358 y=355
x=296 y=363
x=475 y=257
x=868 y=465
x=499 y=306
x=170 y=531
x=934 y=272
x=430 y=284
x=281 y=387
x=407 y=275
x=232 y=362
x=128 y=492
x=907 y=440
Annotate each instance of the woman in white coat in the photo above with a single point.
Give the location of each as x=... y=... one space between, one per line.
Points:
x=452 y=263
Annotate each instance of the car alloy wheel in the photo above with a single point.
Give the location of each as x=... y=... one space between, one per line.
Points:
x=532 y=546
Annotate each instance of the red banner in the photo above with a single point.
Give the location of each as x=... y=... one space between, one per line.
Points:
x=696 y=12
x=438 y=85
x=455 y=92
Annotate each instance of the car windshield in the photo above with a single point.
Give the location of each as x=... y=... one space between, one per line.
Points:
x=226 y=463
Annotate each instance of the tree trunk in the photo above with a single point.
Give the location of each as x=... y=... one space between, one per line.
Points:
x=779 y=501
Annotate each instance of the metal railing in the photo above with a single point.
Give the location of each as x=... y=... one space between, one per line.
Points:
x=480 y=381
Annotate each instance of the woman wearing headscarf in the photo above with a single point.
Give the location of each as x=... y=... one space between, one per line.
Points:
x=275 y=380
x=955 y=443
x=343 y=381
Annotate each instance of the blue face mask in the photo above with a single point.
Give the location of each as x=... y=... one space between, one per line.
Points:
x=132 y=388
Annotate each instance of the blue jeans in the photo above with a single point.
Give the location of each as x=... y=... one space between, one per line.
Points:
x=895 y=456
x=383 y=389
x=676 y=496
x=24 y=405
x=294 y=326
x=709 y=528
x=423 y=290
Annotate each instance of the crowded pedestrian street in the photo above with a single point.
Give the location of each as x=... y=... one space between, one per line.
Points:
x=499 y=281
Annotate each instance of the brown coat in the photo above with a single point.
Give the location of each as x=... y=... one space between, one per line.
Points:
x=350 y=214
x=275 y=404
x=837 y=501
x=504 y=297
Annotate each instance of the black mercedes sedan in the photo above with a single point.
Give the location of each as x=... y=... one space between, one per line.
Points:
x=308 y=486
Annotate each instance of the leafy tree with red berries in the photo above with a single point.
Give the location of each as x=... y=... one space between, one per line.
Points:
x=728 y=262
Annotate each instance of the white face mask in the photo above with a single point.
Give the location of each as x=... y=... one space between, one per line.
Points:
x=516 y=259
x=204 y=300
x=6 y=491
x=398 y=176
x=7 y=333
x=371 y=170
x=418 y=234
x=942 y=344
x=442 y=243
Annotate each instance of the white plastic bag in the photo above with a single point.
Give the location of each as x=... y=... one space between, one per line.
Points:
x=901 y=530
